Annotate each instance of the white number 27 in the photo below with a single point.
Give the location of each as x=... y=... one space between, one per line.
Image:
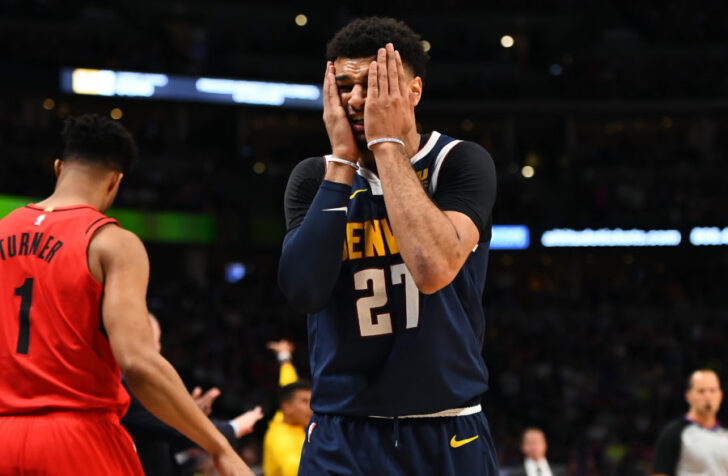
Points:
x=374 y=280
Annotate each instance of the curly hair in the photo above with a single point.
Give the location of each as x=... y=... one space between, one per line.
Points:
x=364 y=36
x=93 y=138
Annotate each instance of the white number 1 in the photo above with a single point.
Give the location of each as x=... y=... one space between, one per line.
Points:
x=371 y=324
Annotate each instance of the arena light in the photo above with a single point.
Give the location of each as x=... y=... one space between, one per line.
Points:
x=104 y=82
x=301 y=19
x=507 y=41
x=527 y=171
x=568 y=238
x=709 y=236
x=235 y=272
x=509 y=237
x=258 y=92
x=98 y=82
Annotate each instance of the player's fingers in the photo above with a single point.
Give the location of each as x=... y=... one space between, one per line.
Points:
x=334 y=101
x=333 y=89
x=392 y=77
x=400 y=76
x=212 y=394
x=325 y=99
x=373 y=86
x=382 y=72
x=196 y=392
x=328 y=91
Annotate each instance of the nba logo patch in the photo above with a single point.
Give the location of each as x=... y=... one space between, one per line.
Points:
x=310 y=430
x=39 y=220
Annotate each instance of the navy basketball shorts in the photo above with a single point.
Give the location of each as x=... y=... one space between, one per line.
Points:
x=438 y=446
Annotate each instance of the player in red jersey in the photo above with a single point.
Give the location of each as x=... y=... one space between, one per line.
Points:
x=72 y=314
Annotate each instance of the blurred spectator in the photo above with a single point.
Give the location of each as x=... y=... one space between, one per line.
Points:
x=533 y=447
x=695 y=443
x=158 y=444
x=287 y=430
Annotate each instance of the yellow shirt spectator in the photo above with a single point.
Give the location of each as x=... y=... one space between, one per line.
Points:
x=287 y=376
x=282 y=449
x=287 y=429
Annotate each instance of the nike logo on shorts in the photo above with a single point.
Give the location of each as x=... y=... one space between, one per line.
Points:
x=457 y=444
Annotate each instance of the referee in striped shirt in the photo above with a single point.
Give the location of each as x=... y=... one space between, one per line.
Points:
x=696 y=443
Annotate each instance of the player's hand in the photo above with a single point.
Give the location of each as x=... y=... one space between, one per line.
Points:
x=230 y=464
x=246 y=421
x=390 y=107
x=337 y=124
x=281 y=346
x=205 y=401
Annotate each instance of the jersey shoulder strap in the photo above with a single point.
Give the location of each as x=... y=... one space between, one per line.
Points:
x=428 y=161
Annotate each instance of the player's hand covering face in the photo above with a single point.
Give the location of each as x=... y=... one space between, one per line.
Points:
x=337 y=124
x=390 y=107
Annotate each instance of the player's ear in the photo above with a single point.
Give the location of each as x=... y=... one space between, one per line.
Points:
x=415 y=89
x=57 y=166
x=115 y=181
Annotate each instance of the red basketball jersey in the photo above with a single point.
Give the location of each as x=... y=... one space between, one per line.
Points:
x=54 y=354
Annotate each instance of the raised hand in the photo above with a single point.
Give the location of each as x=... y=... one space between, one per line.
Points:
x=246 y=421
x=337 y=124
x=205 y=401
x=389 y=109
x=281 y=346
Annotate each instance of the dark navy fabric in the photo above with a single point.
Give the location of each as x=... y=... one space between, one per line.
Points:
x=307 y=247
x=356 y=446
x=431 y=359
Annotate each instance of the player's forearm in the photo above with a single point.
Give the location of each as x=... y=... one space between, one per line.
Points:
x=311 y=257
x=427 y=239
x=156 y=384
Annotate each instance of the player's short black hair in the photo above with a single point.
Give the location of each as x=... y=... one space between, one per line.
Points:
x=95 y=139
x=364 y=36
x=287 y=392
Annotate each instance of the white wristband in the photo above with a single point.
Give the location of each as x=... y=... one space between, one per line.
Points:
x=384 y=139
x=342 y=161
x=235 y=427
x=283 y=356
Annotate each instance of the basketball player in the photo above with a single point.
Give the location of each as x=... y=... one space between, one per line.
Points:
x=72 y=313
x=386 y=250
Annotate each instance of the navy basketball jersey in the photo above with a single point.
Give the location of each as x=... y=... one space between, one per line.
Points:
x=382 y=348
